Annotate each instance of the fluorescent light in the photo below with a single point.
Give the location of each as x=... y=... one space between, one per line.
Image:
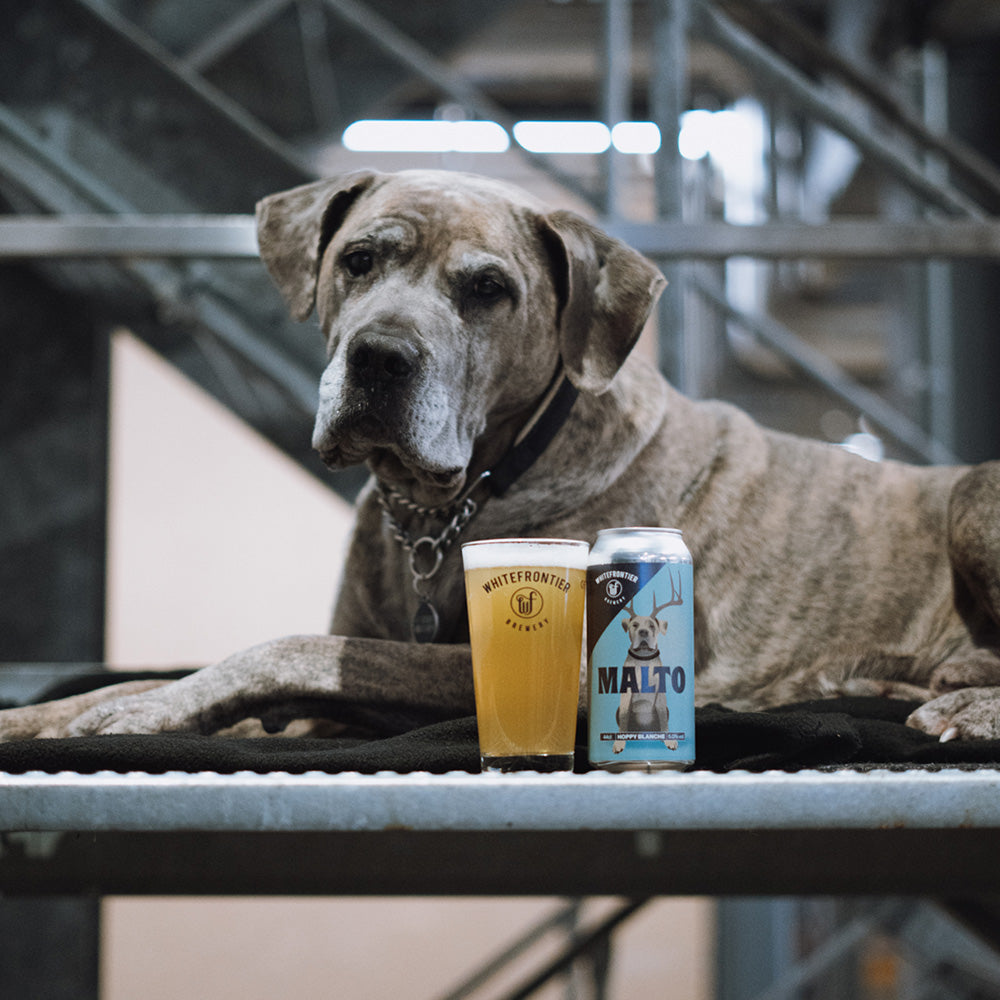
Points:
x=372 y=135
x=563 y=137
x=729 y=137
x=696 y=134
x=479 y=137
x=636 y=137
x=415 y=136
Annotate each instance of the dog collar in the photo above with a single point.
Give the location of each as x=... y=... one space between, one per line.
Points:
x=426 y=553
x=633 y=655
x=535 y=436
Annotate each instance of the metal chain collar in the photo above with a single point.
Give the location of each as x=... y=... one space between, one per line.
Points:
x=426 y=553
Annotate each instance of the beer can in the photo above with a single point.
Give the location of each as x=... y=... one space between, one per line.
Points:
x=640 y=650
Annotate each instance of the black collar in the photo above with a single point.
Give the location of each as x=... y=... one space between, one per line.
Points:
x=633 y=655
x=536 y=436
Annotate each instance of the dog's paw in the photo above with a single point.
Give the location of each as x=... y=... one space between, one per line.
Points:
x=617 y=746
x=23 y=723
x=152 y=712
x=968 y=714
x=55 y=718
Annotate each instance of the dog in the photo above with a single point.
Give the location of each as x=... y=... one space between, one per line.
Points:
x=461 y=315
x=642 y=705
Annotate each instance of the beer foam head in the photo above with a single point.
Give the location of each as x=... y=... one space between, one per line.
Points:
x=495 y=552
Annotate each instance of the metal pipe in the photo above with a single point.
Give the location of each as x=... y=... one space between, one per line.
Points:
x=667 y=98
x=842 y=239
x=167 y=283
x=578 y=948
x=939 y=303
x=961 y=157
x=198 y=86
x=320 y=76
x=232 y=34
x=134 y=236
x=816 y=365
x=848 y=937
x=616 y=93
x=813 y=100
x=513 y=951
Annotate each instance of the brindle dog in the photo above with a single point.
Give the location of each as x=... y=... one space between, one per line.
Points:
x=451 y=306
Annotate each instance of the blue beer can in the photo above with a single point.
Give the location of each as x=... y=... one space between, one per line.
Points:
x=640 y=650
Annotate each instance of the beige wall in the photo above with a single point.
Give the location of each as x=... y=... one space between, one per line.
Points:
x=217 y=542
x=216 y=539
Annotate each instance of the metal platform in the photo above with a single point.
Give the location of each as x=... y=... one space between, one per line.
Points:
x=913 y=832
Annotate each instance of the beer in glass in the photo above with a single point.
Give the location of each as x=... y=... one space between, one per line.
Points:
x=526 y=607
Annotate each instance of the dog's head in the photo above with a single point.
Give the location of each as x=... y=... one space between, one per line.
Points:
x=448 y=302
x=644 y=632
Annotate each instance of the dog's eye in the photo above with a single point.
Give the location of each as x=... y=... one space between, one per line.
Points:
x=487 y=289
x=357 y=263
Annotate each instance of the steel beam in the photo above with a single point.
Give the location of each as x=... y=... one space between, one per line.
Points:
x=115 y=237
x=662 y=803
x=233 y=237
x=844 y=239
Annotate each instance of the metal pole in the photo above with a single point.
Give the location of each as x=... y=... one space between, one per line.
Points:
x=775 y=24
x=233 y=33
x=514 y=951
x=580 y=947
x=617 y=93
x=135 y=236
x=940 y=360
x=814 y=100
x=320 y=76
x=787 y=986
x=829 y=374
x=667 y=99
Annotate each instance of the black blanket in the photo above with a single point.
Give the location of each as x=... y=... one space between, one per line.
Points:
x=846 y=732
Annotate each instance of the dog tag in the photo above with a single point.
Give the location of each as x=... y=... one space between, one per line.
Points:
x=425 y=622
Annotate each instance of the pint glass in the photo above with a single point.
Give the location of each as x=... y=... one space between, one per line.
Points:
x=526 y=606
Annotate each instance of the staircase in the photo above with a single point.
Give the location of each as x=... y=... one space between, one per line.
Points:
x=133 y=107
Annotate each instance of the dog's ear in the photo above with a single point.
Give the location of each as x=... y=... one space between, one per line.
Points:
x=606 y=291
x=294 y=228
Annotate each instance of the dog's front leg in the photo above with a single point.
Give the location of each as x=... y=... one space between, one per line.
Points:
x=326 y=671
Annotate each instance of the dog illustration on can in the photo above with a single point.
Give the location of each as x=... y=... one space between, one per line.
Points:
x=642 y=707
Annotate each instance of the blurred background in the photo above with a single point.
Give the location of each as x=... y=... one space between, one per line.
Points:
x=817 y=179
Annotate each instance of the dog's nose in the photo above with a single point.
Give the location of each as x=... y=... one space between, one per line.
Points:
x=382 y=359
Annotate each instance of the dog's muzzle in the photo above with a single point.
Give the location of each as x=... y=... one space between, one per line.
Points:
x=381 y=360
x=371 y=398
